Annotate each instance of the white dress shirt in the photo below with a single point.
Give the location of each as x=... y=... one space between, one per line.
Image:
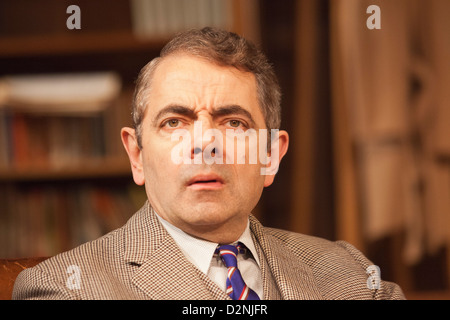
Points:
x=201 y=253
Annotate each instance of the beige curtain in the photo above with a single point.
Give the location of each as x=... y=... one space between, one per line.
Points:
x=391 y=102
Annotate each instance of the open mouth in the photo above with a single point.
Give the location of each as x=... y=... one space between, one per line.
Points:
x=205 y=182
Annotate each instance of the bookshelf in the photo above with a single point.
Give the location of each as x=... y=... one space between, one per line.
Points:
x=64 y=176
x=61 y=44
x=93 y=170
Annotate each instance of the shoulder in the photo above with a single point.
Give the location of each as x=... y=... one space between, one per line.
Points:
x=60 y=276
x=315 y=249
x=99 y=269
x=318 y=253
x=341 y=270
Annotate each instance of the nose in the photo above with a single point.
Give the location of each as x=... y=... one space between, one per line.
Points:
x=203 y=142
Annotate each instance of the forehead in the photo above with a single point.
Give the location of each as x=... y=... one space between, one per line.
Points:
x=199 y=71
x=198 y=83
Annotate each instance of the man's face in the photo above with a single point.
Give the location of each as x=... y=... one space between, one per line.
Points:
x=210 y=201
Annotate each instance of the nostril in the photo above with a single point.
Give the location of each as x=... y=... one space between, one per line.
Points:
x=197 y=150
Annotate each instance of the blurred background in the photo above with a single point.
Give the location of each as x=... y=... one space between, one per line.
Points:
x=367 y=110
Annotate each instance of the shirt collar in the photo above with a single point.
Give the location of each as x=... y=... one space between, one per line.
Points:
x=199 y=251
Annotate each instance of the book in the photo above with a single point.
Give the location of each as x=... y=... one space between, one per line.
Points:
x=162 y=18
x=45 y=219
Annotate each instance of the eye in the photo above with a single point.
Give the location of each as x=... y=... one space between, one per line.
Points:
x=235 y=123
x=173 y=123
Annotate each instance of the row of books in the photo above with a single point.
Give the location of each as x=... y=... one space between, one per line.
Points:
x=46 y=220
x=161 y=18
x=42 y=141
x=57 y=120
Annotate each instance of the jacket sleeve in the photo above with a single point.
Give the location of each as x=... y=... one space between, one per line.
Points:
x=382 y=290
x=35 y=284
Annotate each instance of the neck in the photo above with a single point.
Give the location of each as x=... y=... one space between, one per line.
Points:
x=217 y=235
x=222 y=233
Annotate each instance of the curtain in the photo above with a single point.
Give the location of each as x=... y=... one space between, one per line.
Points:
x=391 y=107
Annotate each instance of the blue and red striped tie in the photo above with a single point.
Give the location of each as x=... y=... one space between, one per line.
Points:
x=236 y=287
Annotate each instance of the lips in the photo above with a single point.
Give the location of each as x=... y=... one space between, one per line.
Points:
x=205 y=182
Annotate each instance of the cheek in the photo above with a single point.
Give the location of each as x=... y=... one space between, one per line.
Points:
x=250 y=186
x=156 y=148
x=248 y=178
x=156 y=162
x=160 y=180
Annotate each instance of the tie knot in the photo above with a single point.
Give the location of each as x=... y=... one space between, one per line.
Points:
x=229 y=253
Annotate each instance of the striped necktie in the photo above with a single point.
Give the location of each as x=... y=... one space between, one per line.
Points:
x=236 y=287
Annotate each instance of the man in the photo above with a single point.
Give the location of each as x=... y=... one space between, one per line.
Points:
x=195 y=238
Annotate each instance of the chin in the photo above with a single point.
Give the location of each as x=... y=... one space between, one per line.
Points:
x=208 y=215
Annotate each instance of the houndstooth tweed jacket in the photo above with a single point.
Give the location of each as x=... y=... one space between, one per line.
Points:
x=142 y=261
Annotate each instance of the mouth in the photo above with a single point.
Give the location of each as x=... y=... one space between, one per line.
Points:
x=205 y=182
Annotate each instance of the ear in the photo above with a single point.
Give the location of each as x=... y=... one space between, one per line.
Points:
x=130 y=143
x=282 y=143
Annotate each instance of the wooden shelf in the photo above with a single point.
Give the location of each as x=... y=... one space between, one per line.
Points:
x=76 y=43
x=86 y=170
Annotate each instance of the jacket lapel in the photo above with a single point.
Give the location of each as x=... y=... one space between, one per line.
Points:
x=270 y=288
x=285 y=275
x=164 y=272
x=171 y=278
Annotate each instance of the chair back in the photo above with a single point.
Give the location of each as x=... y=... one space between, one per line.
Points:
x=10 y=269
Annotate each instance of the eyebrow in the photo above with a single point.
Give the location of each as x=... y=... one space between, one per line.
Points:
x=232 y=109
x=217 y=112
x=176 y=109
